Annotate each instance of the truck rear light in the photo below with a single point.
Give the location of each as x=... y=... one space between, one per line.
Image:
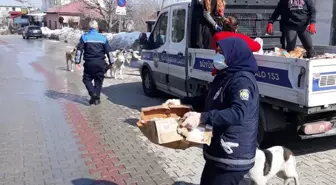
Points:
x=316 y=127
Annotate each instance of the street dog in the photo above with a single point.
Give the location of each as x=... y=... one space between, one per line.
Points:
x=118 y=63
x=275 y=161
x=128 y=56
x=132 y=55
x=70 y=59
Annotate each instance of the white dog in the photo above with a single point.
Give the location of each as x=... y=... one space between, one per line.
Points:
x=275 y=161
x=132 y=55
x=118 y=63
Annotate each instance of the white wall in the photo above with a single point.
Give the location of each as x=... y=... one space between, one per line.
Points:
x=9 y=9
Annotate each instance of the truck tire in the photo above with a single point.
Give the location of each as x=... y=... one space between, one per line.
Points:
x=148 y=84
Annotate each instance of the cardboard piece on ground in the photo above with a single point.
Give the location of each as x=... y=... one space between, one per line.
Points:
x=156 y=129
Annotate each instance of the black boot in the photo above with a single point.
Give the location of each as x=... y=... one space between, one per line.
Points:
x=310 y=54
x=97 y=101
x=93 y=99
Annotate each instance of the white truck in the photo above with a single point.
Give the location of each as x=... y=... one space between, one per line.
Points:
x=294 y=93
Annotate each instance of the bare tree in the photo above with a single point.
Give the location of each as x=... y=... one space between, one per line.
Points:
x=106 y=9
x=3 y=17
x=140 y=11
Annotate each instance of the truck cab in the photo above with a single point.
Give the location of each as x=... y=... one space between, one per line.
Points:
x=295 y=93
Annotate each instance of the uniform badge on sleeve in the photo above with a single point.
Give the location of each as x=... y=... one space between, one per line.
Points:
x=244 y=94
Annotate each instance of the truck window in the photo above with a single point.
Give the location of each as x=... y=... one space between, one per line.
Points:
x=178 y=24
x=159 y=34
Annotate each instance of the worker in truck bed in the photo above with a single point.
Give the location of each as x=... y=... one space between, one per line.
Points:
x=299 y=18
x=230 y=27
x=275 y=15
x=231 y=107
x=204 y=25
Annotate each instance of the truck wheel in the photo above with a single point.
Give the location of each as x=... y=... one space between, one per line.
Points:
x=148 y=84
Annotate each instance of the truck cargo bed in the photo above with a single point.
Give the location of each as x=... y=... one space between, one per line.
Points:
x=306 y=83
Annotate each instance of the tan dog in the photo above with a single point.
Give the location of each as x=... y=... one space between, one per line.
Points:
x=70 y=59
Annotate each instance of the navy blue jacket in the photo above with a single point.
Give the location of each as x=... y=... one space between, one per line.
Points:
x=95 y=46
x=231 y=107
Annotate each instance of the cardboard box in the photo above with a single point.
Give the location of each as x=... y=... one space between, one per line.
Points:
x=166 y=129
x=160 y=125
x=298 y=52
x=202 y=134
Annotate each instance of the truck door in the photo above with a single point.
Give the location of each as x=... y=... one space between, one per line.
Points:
x=158 y=43
x=176 y=53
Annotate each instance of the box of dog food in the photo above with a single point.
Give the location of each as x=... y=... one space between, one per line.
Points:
x=160 y=124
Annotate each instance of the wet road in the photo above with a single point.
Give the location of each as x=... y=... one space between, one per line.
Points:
x=49 y=135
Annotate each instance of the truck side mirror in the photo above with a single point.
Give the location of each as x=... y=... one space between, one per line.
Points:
x=143 y=40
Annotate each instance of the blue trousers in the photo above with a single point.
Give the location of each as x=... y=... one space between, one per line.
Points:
x=213 y=175
x=94 y=72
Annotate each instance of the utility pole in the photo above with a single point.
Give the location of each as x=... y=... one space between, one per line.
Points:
x=119 y=30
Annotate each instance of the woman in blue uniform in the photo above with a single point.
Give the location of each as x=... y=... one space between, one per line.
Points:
x=231 y=107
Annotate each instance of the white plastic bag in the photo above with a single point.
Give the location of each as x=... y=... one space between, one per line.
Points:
x=261 y=42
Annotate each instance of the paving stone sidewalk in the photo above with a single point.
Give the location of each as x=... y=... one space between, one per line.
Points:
x=49 y=134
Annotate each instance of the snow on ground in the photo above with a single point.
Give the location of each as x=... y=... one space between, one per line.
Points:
x=72 y=36
x=4 y=30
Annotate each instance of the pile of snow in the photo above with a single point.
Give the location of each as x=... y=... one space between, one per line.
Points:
x=116 y=41
x=68 y=35
x=124 y=40
x=4 y=30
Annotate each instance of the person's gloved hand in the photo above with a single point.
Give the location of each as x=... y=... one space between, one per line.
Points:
x=269 y=28
x=312 y=28
x=191 y=120
x=172 y=102
x=218 y=28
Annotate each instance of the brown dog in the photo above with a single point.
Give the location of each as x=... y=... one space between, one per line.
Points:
x=70 y=59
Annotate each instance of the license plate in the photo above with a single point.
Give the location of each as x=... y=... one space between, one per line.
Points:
x=35 y=31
